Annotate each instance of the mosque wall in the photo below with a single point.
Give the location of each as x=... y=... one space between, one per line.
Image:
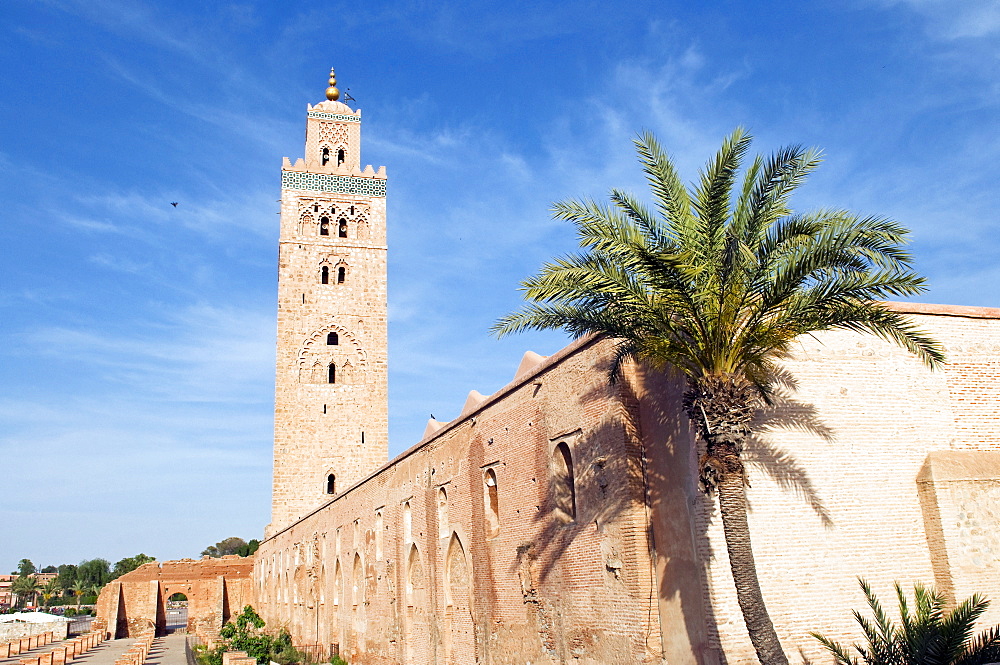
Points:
x=860 y=469
x=517 y=533
x=867 y=465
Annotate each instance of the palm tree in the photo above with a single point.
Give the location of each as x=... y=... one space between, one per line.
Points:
x=50 y=589
x=717 y=281
x=929 y=636
x=26 y=587
x=95 y=591
x=79 y=588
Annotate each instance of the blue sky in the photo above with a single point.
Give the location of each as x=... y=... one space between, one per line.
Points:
x=137 y=339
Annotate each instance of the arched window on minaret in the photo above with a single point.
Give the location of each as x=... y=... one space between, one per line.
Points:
x=332 y=339
x=331 y=376
x=324 y=275
x=326 y=156
x=324 y=226
x=341 y=274
x=342 y=228
x=341 y=158
x=331 y=484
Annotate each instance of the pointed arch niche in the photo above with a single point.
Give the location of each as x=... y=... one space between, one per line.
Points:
x=459 y=642
x=416 y=619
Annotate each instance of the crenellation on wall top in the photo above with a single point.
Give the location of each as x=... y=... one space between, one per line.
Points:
x=473 y=402
x=433 y=426
x=333 y=169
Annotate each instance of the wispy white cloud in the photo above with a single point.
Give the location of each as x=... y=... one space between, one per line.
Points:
x=118 y=264
x=202 y=353
x=955 y=20
x=150 y=216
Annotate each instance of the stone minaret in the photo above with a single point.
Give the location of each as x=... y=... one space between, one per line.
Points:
x=331 y=388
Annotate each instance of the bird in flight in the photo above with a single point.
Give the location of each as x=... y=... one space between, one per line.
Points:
x=173 y=203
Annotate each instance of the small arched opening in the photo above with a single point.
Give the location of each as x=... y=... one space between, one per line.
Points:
x=492 y=503
x=331 y=483
x=341 y=274
x=342 y=228
x=443 y=529
x=341 y=157
x=325 y=156
x=563 y=482
x=331 y=373
x=324 y=226
x=407 y=523
x=332 y=339
x=324 y=275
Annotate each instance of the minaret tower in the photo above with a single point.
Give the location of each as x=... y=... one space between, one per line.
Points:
x=331 y=388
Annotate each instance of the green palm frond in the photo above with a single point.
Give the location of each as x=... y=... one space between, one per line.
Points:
x=927 y=634
x=669 y=191
x=721 y=277
x=983 y=649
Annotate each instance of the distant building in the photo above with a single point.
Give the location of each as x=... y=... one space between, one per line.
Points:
x=7 y=596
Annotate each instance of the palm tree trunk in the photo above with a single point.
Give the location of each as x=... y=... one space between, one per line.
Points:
x=722 y=408
x=733 y=506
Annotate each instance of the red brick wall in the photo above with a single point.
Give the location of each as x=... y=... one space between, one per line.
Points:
x=216 y=589
x=547 y=587
x=834 y=496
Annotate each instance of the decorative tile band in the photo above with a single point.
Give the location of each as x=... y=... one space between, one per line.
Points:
x=323 y=182
x=333 y=116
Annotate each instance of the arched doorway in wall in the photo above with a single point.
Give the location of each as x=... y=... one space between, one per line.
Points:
x=173 y=613
x=459 y=638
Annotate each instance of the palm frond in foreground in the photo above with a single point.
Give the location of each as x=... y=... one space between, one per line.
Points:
x=927 y=633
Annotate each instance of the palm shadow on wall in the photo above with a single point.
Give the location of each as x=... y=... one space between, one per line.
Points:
x=653 y=453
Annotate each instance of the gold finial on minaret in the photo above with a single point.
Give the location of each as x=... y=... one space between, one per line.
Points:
x=332 y=93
